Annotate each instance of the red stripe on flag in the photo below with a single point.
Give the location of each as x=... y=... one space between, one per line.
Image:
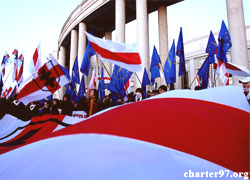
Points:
x=220 y=136
x=33 y=87
x=35 y=57
x=131 y=58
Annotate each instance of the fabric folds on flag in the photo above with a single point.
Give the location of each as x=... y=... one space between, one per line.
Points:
x=89 y=52
x=223 y=46
x=116 y=53
x=145 y=82
x=170 y=66
x=75 y=73
x=19 y=78
x=204 y=70
x=37 y=60
x=137 y=140
x=4 y=62
x=101 y=87
x=118 y=80
x=81 y=92
x=154 y=67
x=180 y=54
x=49 y=78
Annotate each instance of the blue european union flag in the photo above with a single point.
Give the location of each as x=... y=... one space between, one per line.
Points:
x=118 y=80
x=81 y=92
x=170 y=66
x=75 y=73
x=86 y=59
x=224 y=44
x=66 y=72
x=211 y=44
x=145 y=82
x=204 y=71
x=101 y=87
x=154 y=68
x=180 y=54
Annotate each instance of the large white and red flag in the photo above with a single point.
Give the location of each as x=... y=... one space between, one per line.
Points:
x=158 y=138
x=120 y=54
x=236 y=69
x=48 y=79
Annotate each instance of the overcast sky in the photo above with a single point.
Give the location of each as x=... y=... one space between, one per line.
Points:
x=26 y=22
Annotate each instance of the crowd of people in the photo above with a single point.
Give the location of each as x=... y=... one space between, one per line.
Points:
x=90 y=105
x=66 y=106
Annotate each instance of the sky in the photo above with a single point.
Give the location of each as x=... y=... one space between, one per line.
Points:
x=25 y=23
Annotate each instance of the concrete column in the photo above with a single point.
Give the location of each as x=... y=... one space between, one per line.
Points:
x=163 y=33
x=163 y=38
x=142 y=36
x=61 y=60
x=82 y=41
x=73 y=49
x=107 y=64
x=236 y=23
x=120 y=20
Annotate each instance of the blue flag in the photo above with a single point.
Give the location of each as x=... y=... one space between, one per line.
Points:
x=224 y=43
x=118 y=80
x=86 y=59
x=180 y=54
x=211 y=44
x=66 y=71
x=170 y=66
x=81 y=92
x=75 y=73
x=145 y=82
x=1 y=84
x=154 y=68
x=101 y=87
x=204 y=71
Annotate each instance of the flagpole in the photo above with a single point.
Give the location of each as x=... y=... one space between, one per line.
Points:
x=138 y=78
x=8 y=74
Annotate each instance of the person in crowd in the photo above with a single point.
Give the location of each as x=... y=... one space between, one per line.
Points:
x=54 y=109
x=75 y=106
x=148 y=94
x=162 y=89
x=94 y=104
x=138 y=95
x=246 y=87
x=197 y=88
x=155 y=92
x=46 y=107
x=66 y=105
x=107 y=101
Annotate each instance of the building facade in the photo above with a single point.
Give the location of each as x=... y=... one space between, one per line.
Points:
x=101 y=17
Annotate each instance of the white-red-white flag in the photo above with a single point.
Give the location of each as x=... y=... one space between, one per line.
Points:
x=92 y=80
x=36 y=59
x=19 y=78
x=120 y=54
x=48 y=79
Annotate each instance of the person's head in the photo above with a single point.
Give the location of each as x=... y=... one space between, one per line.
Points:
x=138 y=94
x=155 y=92
x=246 y=85
x=197 y=88
x=93 y=93
x=55 y=102
x=66 y=97
x=162 y=89
x=148 y=94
